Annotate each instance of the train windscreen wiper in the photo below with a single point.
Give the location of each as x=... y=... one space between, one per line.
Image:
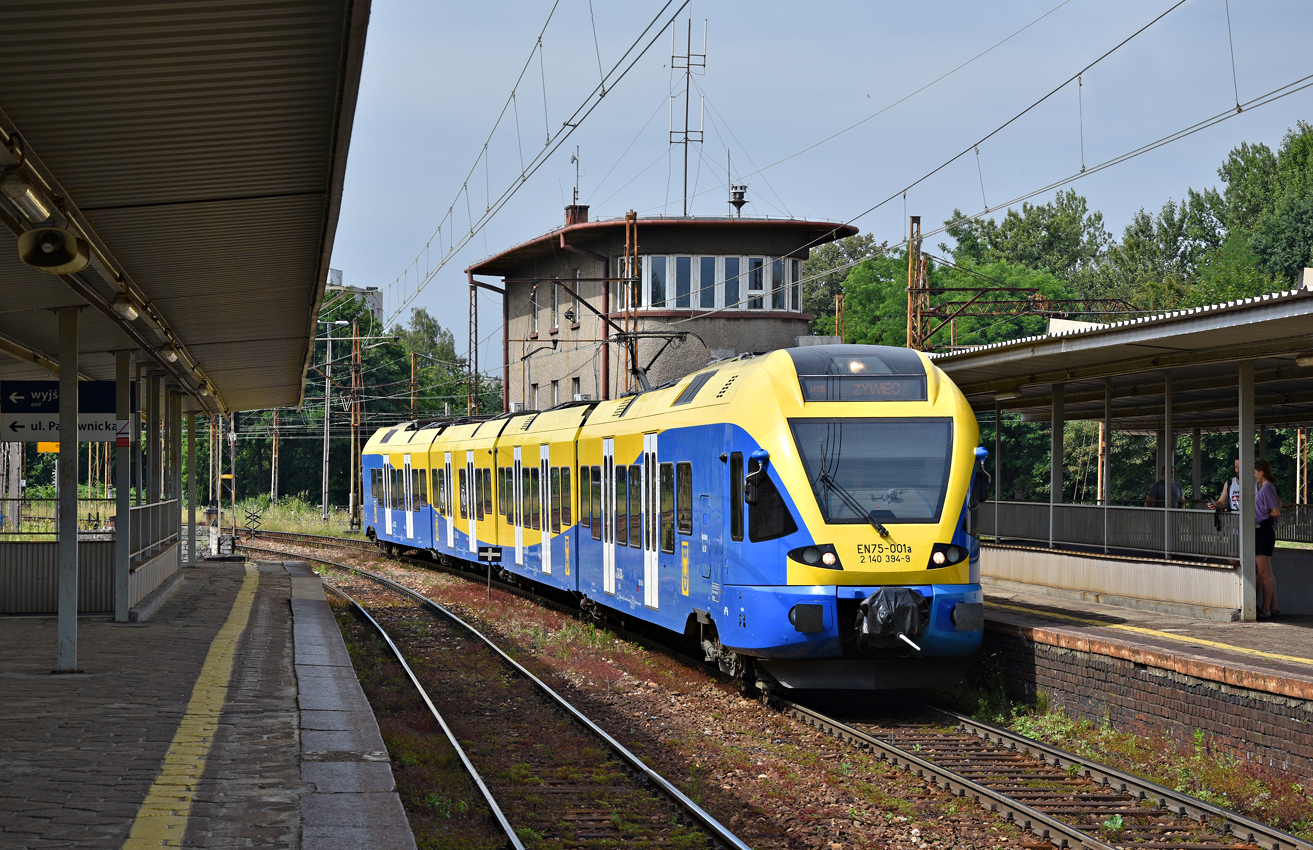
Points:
x=851 y=501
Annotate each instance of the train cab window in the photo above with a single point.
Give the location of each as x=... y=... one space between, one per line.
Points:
x=585 y=504
x=565 y=497
x=423 y=488
x=736 y=496
x=373 y=484
x=769 y=517
x=684 y=497
x=667 y=489
x=595 y=476
x=556 y=498
x=464 y=501
x=636 y=506
x=622 y=505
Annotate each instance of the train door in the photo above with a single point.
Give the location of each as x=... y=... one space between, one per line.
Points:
x=517 y=496
x=545 y=506
x=409 y=505
x=470 y=493
x=608 y=515
x=388 y=474
x=652 y=520
x=450 y=487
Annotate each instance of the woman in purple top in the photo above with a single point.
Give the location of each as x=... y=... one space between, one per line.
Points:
x=1267 y=507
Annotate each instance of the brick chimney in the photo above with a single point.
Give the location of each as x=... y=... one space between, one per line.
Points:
x=576 y=214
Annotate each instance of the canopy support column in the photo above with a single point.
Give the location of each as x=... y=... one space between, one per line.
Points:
x=68 y=490
x=1248 y=566
x=1196 y=469
x=1105 y=458
x=122 y=489
x=1055 y=459
x=191 y=489
x=1168 y=464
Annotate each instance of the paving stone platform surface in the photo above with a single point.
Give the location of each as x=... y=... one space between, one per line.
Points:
x=296 y=761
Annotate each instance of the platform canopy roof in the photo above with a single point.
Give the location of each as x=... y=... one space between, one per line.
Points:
x=199 y=149
x=1201 y=347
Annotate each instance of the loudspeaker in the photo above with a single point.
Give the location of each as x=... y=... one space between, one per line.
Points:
x=53 y=250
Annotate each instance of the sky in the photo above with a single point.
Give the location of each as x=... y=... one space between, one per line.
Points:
x=781 y=79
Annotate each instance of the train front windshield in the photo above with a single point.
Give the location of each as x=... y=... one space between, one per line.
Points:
x=894 y=470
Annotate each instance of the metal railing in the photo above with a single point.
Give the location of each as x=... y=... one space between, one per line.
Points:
x=154 y=527
x=25 y=519
x=1162 y=532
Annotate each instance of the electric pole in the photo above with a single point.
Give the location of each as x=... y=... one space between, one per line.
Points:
x=691 y=60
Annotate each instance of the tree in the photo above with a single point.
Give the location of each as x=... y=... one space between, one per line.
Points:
x=1061 y=237
x=818 y=295
x=876 y=299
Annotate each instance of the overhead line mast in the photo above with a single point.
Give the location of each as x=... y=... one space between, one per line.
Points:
x=691 y=60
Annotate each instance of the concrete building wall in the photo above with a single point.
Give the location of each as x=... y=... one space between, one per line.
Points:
x=567 y=352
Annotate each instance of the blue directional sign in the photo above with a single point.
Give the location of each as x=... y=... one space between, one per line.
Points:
x=29 y=411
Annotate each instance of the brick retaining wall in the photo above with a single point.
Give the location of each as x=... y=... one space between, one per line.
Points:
x=1144 y=691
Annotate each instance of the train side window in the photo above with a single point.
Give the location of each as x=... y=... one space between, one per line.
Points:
x=585 y=504
x=460 y=478
x=485 y=481
x=395 y=475
x=565 y=497
x=487 y=491
x=667 y=488
x=423 y=488
x=525 y=494
x=684 y=497
x=636 y=507
x=736 y=496
x=556 y=498
x=622 y=505
x=596 y=498
x=373 y=484
x=536 y=505
x=768 y=517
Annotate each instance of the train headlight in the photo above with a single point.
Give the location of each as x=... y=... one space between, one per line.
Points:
x=820 y=555
x=946 y=554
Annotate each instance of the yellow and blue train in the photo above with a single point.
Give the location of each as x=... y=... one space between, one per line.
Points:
x=807 y=514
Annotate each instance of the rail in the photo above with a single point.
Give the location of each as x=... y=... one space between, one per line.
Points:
x=1125 y=793
x=153 y=527
x=25 y=518
x=1162 y=532
x=512 y=839
x=718 y=834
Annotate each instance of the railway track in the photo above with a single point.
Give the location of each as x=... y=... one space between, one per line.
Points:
x=1054 y=795
x=544 y=768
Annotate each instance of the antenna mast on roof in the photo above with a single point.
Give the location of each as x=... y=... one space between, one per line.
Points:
x=574 y=158
x=691 y=60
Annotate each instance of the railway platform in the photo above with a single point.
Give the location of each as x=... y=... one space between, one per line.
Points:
x=1246 y=686
x=228 y=717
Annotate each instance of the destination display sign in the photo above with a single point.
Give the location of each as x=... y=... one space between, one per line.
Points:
x=29 y=411
x=863 y=387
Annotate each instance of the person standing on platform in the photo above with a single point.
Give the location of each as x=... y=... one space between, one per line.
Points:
x=1267 y=508
x=1229 y=499
x=1158 y=492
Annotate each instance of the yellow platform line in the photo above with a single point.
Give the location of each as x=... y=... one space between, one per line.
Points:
x=162 y=819
x=1155 y=633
